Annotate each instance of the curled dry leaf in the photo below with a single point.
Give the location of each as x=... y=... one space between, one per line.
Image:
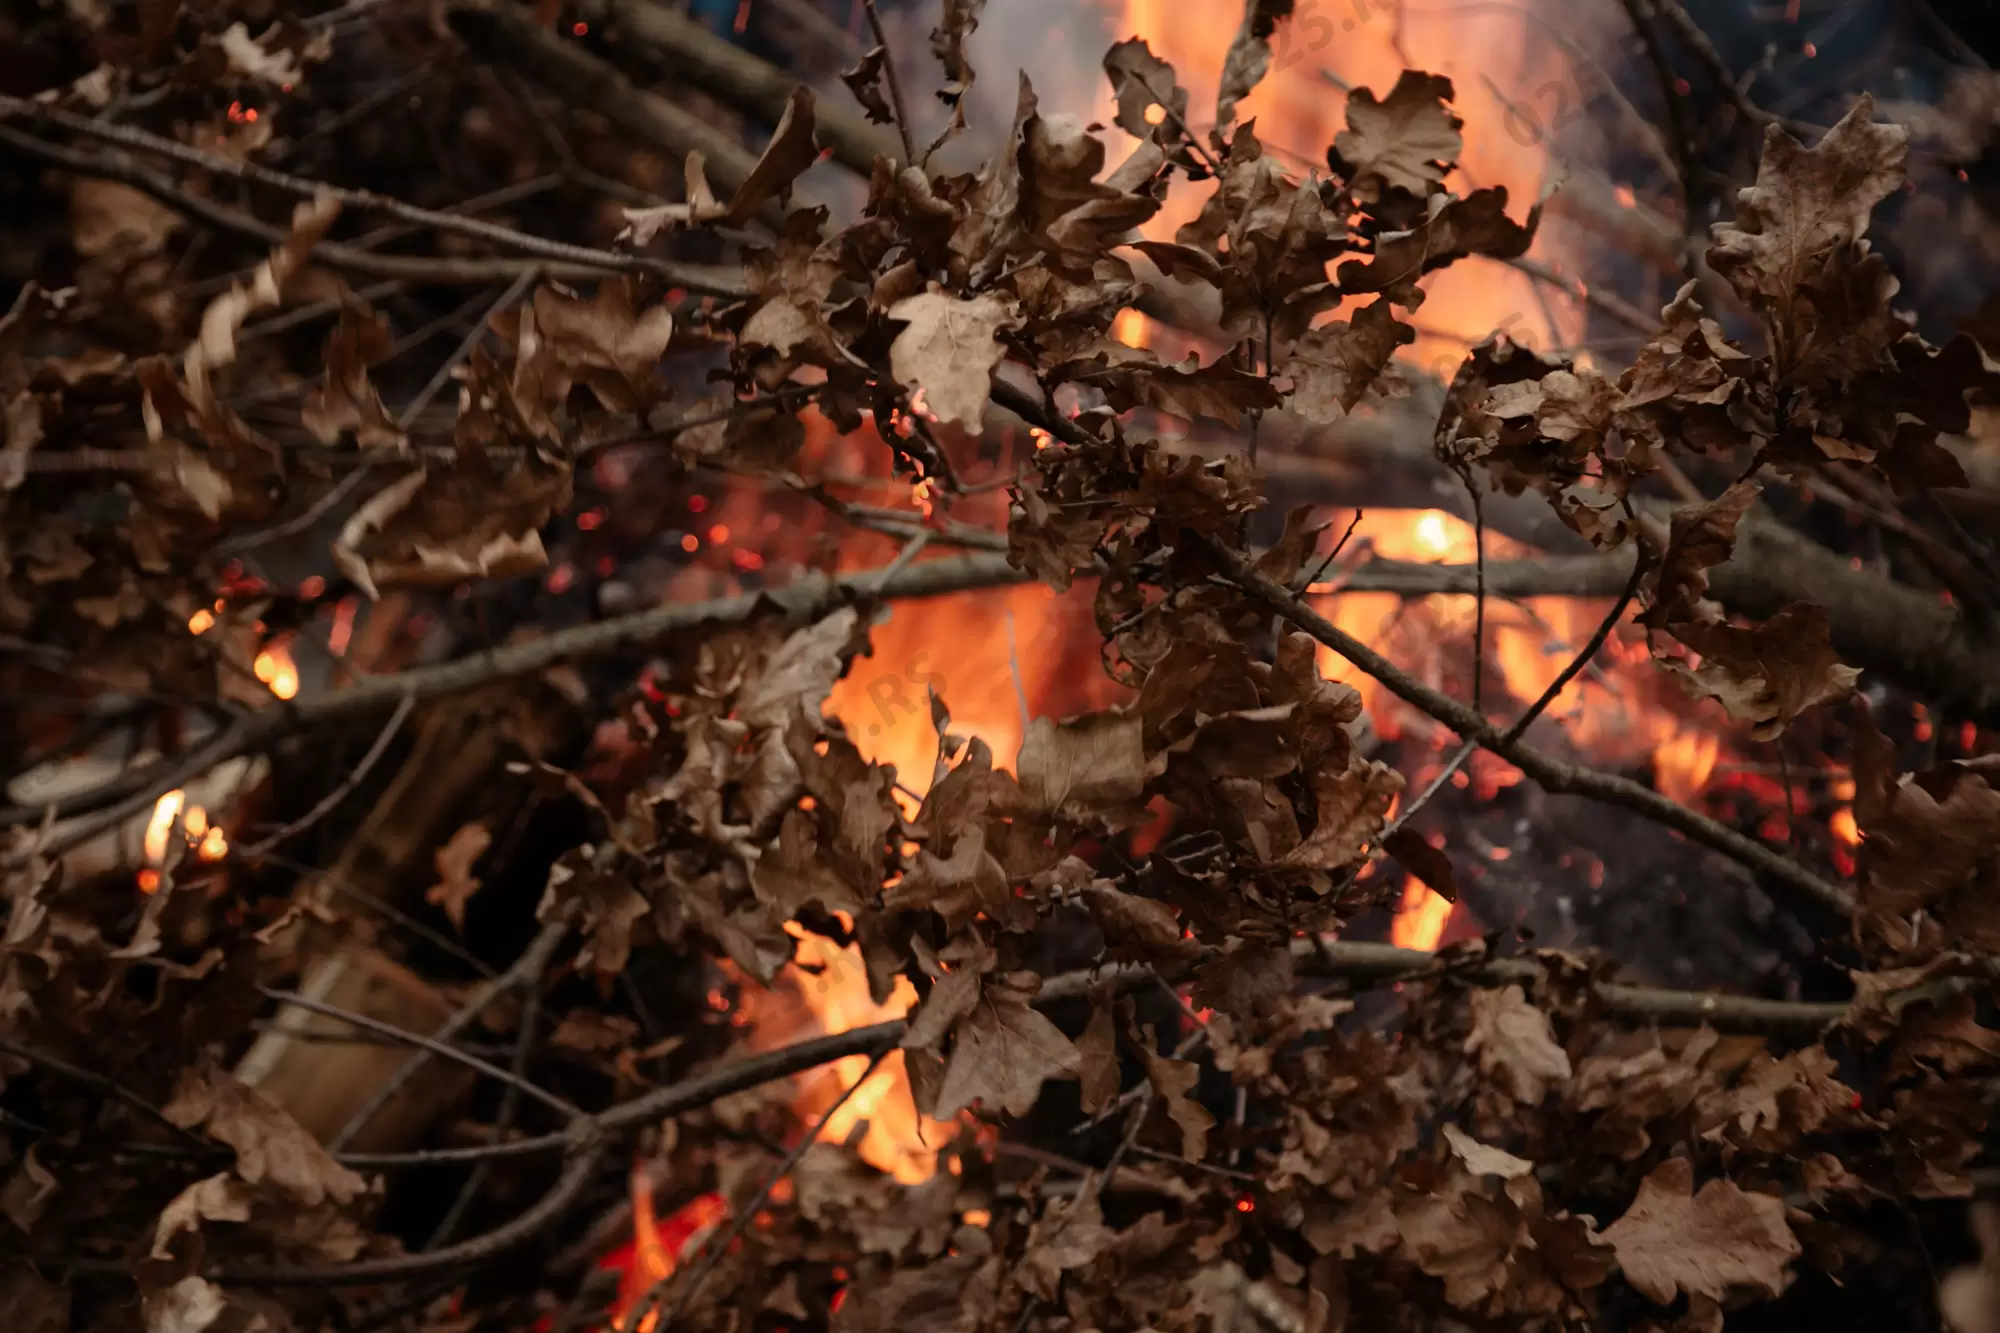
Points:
x=1673 y=1239
x=1484 y=1160
x=270 y=1145
x=1770 y=673
x=1151 y=102
x=454 y=861
x=1700 y=537
x=348 y=401
x=1334 y=365
x=864 y=80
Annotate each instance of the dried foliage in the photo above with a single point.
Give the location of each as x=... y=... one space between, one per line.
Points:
x=1498 y=1145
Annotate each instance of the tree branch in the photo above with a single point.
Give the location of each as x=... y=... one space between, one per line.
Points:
x=583 y=260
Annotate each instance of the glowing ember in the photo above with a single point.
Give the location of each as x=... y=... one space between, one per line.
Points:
x=171 y=812
x=275 y=668
x=657 y=1246
x=1131 y=328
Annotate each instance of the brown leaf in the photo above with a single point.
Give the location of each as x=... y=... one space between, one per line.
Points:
x=1807 y=203
x=1924 y=836
x=1413 y=851
x=1070 y=1235
x=1151 y=102
x=456 y=882
x=1004 y=1051
x=1098 y=1050
x=1353 y=805
x=1249 y=56
x=348 y=401
x=1246 y=980
x=1141 y=927
x=1701 y=537
x=606 y=904
x=1452 y=229
x=32 y=1304
x=1770 y=673
x=1086 y=769
x=1776 y=1102
x=1515 y=1044
x=793 y=148
x=700 y=207
x=1672 y=1239
x=955 y=28
x=1172 y=1080
x=952 y=999
x=270 y=1145
x=1484 y=1160
x=949 y=352
x=1334 y=365
x=1407 y=141
x=864 y=80
x=388 y=542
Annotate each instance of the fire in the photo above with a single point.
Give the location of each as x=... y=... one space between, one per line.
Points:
x=274 y=666
x=1420 y=920
x=207 y=840
x=827 y=990
x=1132 y=328
x=1299 y=108
x=656 y=1247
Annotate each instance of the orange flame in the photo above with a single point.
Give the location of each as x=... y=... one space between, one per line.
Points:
x=274 y=666
x=171 y=811
x=657 y=1247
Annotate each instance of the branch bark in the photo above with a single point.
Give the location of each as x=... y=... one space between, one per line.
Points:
x=727 y=71
x=582 y=80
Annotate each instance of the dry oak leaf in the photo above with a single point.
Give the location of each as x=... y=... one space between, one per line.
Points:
x=270 y=1145
x=1408 y=140
x=1807 y=202
x=1172 y=1080
x=1085 y=769
x=1353 y=805
x=1098 y=1047
x=1700 y=537
x=1924 y=835
x=454 y=861
x=949 y=350
x=1070 y=1235
x=1770 y=673
x=348 y=400
x=1483 y=1159
x=1514 y=1043
x=1004 y=1051
x=1672 y=1239
x=1142 y=81
x=1333 y=366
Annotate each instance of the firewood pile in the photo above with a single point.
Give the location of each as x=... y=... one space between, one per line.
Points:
x=725 y=667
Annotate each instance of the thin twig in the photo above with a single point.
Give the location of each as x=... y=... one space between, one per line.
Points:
x=1014 y=668
x=442 y=375
x=340 y=793
x=889 y=76
x=527 y=969
x=431 y=1044
x=1553 y=774
x=580 y=259
x=1536 y=709
x=503 y=1121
